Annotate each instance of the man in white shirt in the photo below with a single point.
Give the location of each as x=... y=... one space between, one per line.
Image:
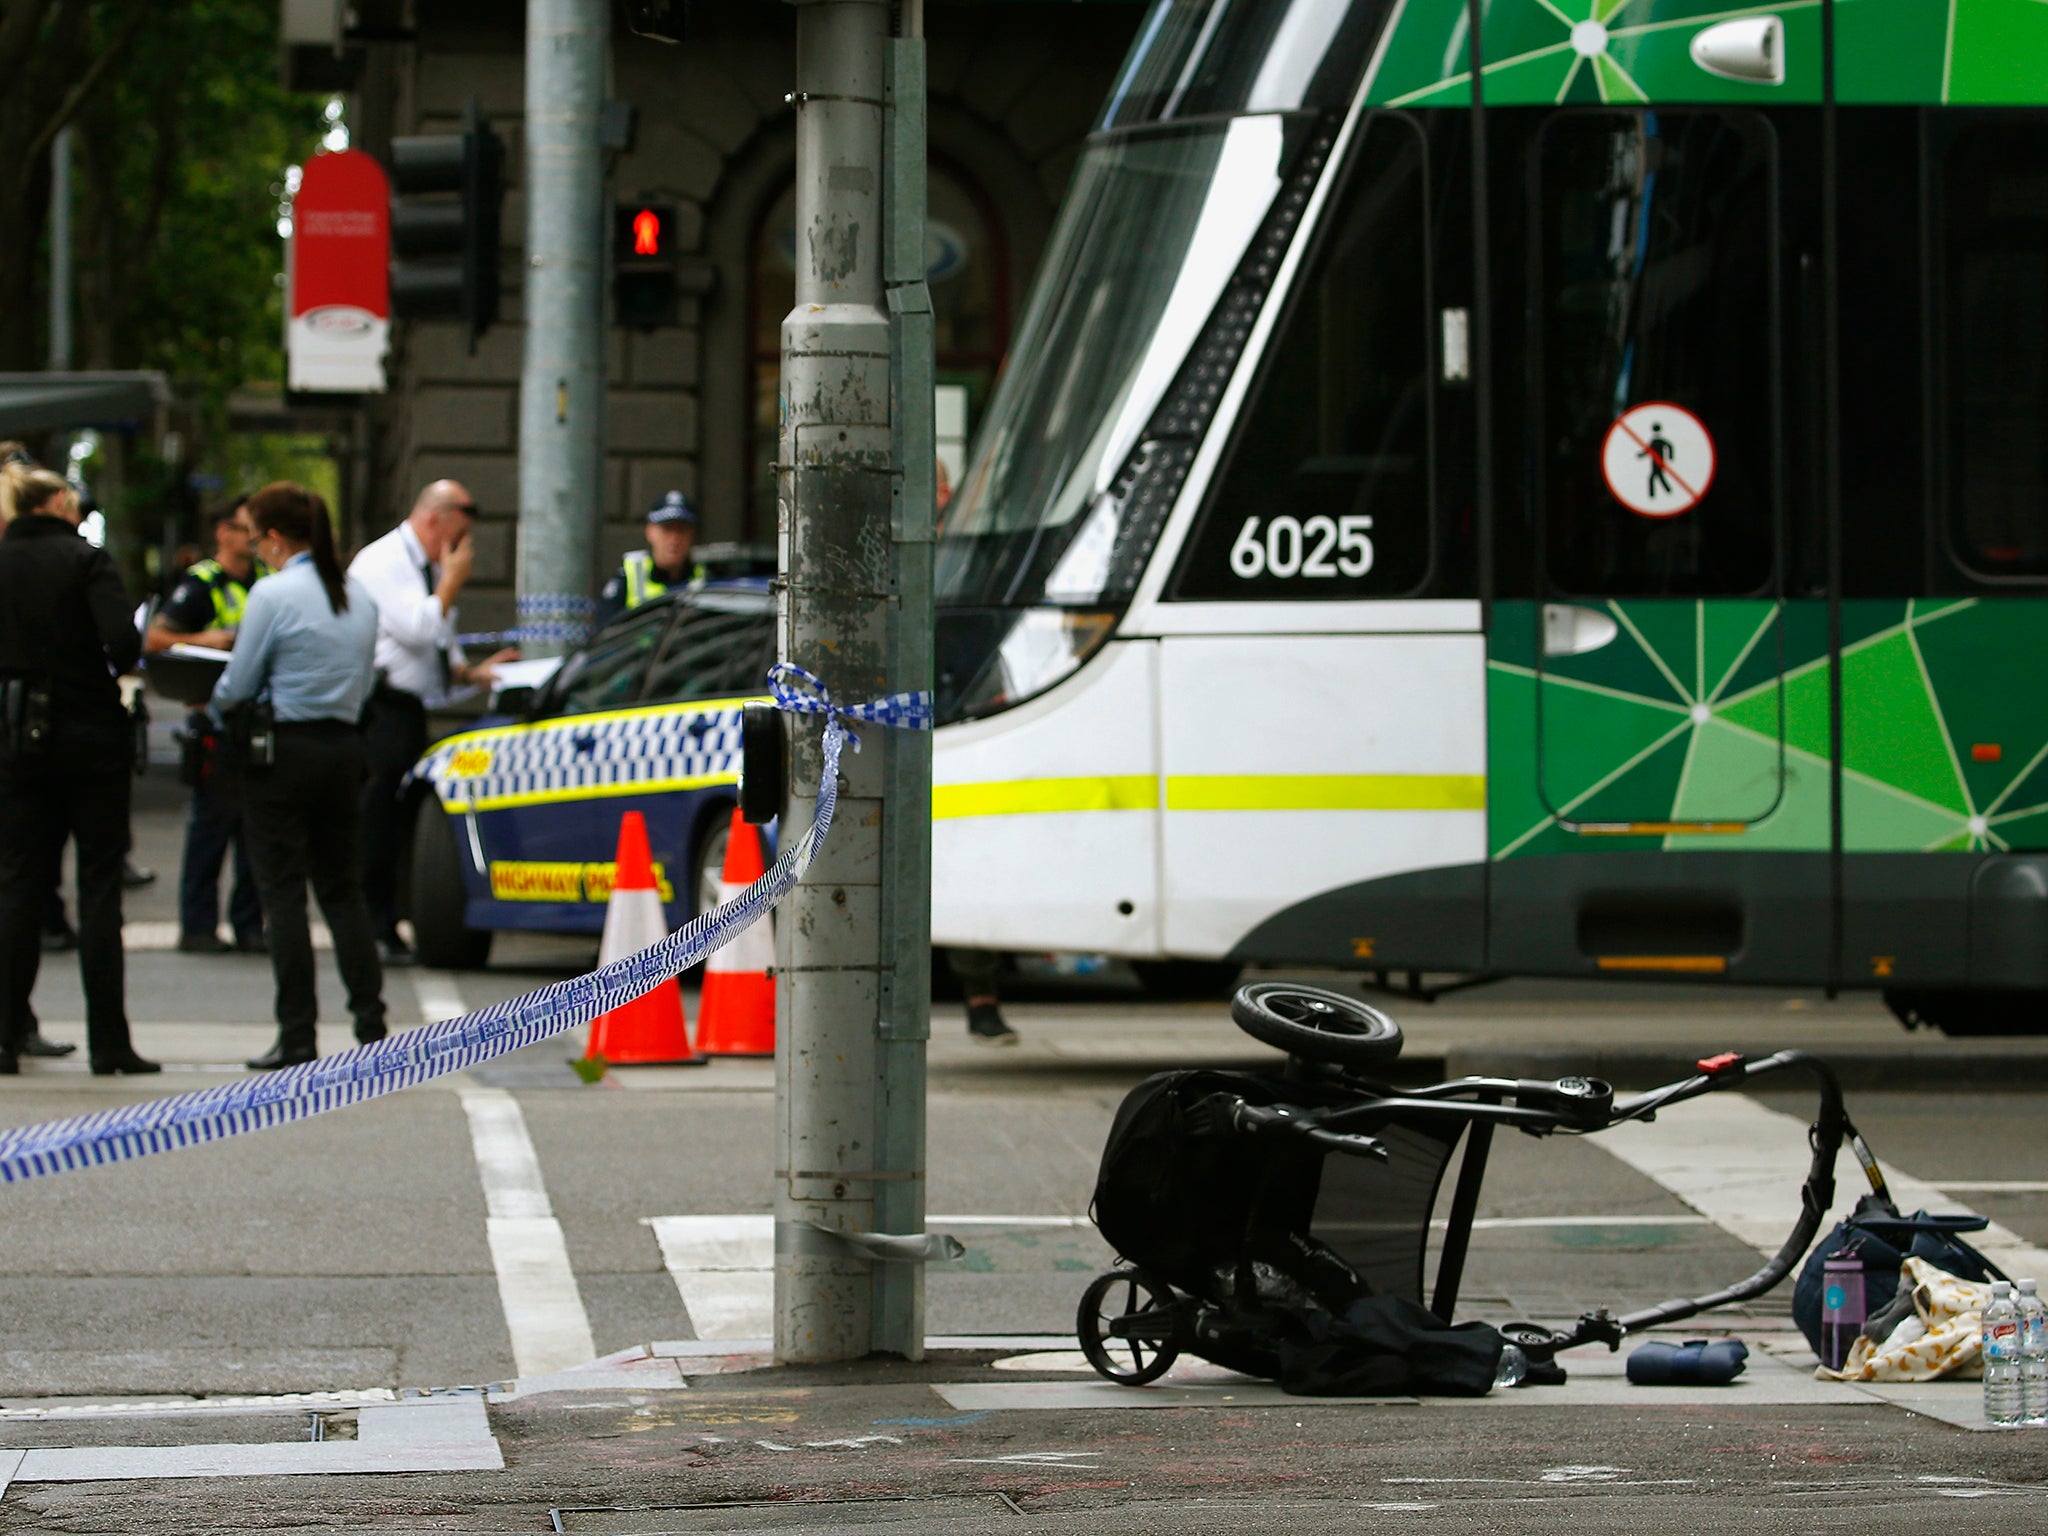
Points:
x=415 y=572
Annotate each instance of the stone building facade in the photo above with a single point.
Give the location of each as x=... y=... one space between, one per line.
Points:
x=1014 y=89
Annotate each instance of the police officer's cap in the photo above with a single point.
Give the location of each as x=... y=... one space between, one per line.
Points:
x=673 y=508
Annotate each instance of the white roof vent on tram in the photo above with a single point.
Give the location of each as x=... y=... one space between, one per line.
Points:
x=1750 y=49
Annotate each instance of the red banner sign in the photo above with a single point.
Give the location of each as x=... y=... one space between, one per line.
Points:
x=339 y=328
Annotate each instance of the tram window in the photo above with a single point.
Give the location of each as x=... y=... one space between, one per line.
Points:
x=1326 y=491
x=1994 y=353
x=1654 y=286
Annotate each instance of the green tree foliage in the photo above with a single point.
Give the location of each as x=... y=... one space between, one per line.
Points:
x=181 y=154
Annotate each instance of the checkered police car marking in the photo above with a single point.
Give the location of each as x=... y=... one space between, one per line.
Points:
x=634 y=751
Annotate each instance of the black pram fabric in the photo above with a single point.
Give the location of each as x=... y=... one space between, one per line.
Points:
x=1242 y=1223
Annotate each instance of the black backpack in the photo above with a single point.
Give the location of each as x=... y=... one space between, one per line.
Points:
x=1884 y=1238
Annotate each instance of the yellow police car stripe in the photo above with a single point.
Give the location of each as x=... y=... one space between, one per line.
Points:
x=1026 y=797
x=1326 y=792
x=604 y=791
x=1216 y=792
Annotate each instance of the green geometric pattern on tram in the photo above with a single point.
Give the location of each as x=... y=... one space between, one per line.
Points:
x=1543 y=52
x=1922 y=684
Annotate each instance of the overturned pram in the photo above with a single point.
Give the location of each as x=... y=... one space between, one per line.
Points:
x=1280 y=1224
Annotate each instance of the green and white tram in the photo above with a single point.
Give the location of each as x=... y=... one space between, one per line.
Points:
x=1586 y=515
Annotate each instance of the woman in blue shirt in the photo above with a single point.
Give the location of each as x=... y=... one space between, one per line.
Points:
x=306 y=644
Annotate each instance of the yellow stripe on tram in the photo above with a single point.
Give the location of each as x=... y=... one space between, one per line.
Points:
x=1326 y=792
x=1031 y=797
x=1216 y=792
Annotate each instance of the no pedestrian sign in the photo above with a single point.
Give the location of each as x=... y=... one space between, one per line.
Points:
x=1658 y=459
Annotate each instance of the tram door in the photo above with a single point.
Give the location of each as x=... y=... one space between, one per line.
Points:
x=1656 y=695
x=1654 y=437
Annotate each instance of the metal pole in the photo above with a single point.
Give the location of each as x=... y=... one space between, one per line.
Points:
x=60 y=251
x=561 y=431
x=854 y=475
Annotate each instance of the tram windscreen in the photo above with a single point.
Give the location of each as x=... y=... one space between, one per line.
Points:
x=1151 y=233
x=1203 y=58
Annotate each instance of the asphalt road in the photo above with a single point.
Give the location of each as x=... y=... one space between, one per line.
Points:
x=365 y=1252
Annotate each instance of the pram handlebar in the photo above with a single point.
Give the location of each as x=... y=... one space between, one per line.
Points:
x=1586 y=1105
x=1816 y=1195
x=1279 y=1120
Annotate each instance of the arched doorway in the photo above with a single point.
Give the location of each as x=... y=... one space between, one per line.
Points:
x=968 y=267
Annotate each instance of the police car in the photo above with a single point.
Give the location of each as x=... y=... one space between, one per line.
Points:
x=517 y=820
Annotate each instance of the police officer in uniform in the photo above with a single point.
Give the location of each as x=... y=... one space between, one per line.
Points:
x=647 y=573
x=205 y=610
x=66 y=756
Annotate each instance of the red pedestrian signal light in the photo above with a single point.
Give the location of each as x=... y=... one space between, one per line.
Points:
x=647 y=233
x=644 y=265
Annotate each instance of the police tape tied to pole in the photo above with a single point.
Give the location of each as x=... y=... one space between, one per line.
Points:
x=416 y=1055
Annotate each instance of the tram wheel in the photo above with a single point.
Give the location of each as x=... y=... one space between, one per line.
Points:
x=1126 y=1313
x=1316 y=1025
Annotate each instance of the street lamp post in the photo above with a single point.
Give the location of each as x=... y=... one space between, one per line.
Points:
x=855 y=515
x=562 y=381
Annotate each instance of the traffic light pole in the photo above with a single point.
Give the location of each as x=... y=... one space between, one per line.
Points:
x=855 y=514
x=561 y=387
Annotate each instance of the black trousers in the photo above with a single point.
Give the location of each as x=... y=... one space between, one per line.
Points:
x=78 y=787
x=395 y=734
x=212 y=828
x=300 y=818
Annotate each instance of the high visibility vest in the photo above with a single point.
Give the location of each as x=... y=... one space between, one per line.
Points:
x=643 y=585
x=230 y=595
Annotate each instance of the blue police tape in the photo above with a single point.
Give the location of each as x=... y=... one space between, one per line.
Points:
x=414 y=1056
x=802 y=692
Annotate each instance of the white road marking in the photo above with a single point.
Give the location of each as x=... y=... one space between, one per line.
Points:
x=536 y=1287
x=1509 y=1223
x=724 y=1269
x=438 y=995
x=437 y=1435
x=724 y=1266
x=1741 y=1166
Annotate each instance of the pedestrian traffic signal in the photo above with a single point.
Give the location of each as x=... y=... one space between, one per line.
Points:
x=446 y=194
x=644 y=283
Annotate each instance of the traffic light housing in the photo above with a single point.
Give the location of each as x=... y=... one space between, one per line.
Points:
x=664 y=20
x=447 y=190
x=644 y=282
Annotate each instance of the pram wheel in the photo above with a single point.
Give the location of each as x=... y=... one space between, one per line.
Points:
x=1130 y=1313
x=1316 y=1025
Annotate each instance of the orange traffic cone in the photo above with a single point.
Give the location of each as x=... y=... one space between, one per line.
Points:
x=736 y=1014
x=650 y=1030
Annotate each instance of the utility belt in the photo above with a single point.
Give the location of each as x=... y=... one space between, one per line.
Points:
x=25 y=718
x=251 y=740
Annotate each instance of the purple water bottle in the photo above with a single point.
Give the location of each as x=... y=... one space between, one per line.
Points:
x=1842 y=1307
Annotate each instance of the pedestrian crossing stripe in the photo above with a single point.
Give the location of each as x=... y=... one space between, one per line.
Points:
x=663 y=749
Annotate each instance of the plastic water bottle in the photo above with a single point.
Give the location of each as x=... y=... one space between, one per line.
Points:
x=2004 y=1392
x=2033 y=1355
x=1514 y=1365
x=1842 y=1307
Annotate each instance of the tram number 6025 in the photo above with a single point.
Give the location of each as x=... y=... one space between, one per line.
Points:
x=1292 y=547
